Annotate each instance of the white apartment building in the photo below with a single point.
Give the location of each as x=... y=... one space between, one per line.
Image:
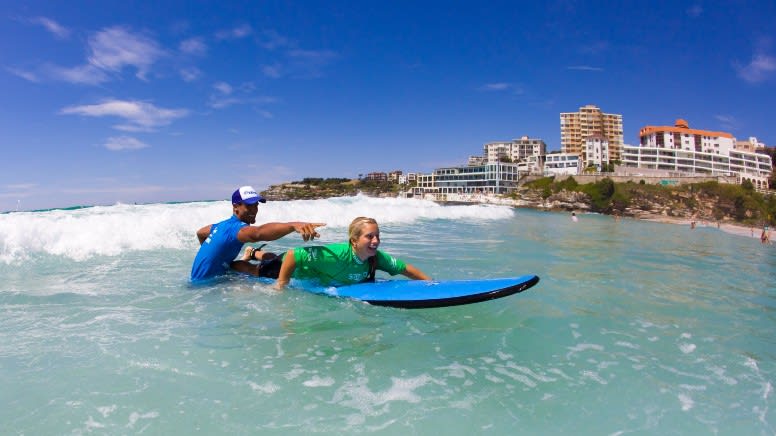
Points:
x=682 y=137
x=562 y=164
x=408 y=178
x=525 y=150
x=596 y=152
x=751 y=145
x=495 y=151
x=477 y=160
x=576 y=127
x=682 y=149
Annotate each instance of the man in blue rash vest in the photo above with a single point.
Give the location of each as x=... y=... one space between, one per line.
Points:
x=221 y=242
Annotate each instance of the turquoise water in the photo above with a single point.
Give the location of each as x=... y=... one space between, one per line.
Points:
x=635 y=327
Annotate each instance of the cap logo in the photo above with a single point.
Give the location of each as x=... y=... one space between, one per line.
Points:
x=247 y=195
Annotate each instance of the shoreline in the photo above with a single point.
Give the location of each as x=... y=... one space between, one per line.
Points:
x=732 y=228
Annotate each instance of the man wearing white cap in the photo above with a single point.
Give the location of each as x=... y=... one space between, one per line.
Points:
x=221 y=242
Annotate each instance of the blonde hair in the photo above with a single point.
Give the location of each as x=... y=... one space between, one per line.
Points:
x=357 y=227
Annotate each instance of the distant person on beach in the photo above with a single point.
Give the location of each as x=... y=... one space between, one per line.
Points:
x=220 y=243
x=765 y=236
x=345 y=263
x=574 y=217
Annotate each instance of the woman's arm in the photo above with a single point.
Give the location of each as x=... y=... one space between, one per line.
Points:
x=414 y=273
x=286 y=270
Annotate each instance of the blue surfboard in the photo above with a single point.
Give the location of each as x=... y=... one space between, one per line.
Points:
x=419 y=294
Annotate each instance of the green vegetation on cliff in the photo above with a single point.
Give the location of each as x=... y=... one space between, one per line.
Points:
x=312 y=188
x=709 y=200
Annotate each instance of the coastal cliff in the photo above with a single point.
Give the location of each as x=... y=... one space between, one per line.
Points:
x=709 y=201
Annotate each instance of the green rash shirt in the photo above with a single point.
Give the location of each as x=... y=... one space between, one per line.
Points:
x=336 y=264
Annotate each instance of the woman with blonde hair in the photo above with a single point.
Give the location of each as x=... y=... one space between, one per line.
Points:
x=345 y=263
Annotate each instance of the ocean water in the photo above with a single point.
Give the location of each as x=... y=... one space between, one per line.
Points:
x=635 y=328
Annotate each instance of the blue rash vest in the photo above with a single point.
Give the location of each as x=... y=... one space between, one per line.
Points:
x=219 y=249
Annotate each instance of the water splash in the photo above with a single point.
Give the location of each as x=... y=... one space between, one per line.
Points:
x=83 y=233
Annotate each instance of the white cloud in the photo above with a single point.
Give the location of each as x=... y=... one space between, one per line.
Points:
x=727 y=122
x=190 y=74
x=220 y=103
x=501 y=86
x=761 y=68
x=584 y=68
x=511 y=88
x=223 y=88
x=26 y=75
x=111 y=50
x=193 y=46
x=52 y=26
x=273 y=71
x=114 y=48
x=119 y=143
x=235 y=33
x=272 y=40
x=139 y=116
x=84 y=74
x=298 y=62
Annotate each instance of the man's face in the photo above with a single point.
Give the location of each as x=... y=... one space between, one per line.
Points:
x=246 y=212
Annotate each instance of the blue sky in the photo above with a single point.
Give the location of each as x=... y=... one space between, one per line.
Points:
x=107 y=102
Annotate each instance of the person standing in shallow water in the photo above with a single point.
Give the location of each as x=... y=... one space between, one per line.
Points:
x=574 y=217
x=345 y=263
x=221 y=242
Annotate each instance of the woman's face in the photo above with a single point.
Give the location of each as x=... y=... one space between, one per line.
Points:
x=366 y=244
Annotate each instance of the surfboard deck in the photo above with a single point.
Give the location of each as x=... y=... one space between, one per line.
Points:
x=419 y=294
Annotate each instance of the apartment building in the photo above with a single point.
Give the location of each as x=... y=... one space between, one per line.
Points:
x=576 y=127
x=680 y=149
x=596 y=152
x=489 y=178
x=751 y=145
x=562 y=164
x=525 y=150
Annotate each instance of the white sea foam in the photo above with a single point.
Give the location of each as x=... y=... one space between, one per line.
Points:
x=110 y=230
x=317 y=382
x=105 y=411
x=593 y=376
x=134 y=417
x=579 y=348
x=458 y=370
x=627 y=345
x=515 y=376
x=356 y=394
x=686 y=401
x=266 y=388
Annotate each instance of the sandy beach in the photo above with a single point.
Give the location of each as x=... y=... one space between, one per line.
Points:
x=736 y=229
